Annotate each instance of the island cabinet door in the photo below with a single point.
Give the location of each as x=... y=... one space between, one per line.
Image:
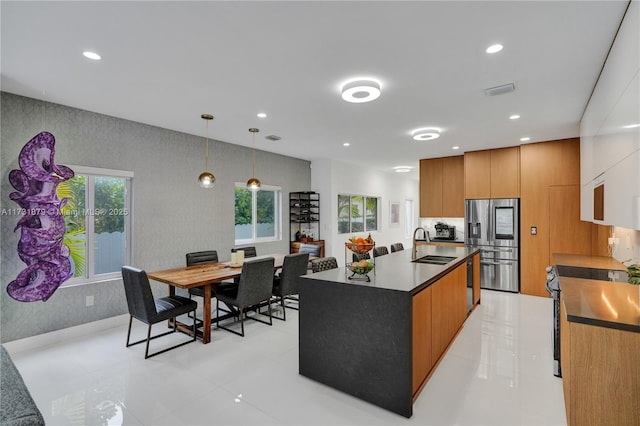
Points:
x=422 y=362
x=449 y=309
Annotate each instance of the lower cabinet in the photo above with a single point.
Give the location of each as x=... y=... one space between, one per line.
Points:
x=438 y=313
x=295 y=246
x=600 y=374
x=422 y=361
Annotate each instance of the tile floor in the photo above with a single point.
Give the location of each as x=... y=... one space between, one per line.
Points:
x=498 y=371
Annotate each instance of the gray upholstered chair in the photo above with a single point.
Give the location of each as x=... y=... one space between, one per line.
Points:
x=359 y=256
x=396 y=247
x=324 y=264
x=286 y=284
x=145 y=308
x=248 y=251
x=380 y=251
x=199 y=258
x=254 y=287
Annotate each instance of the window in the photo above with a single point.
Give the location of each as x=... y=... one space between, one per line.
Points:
x=409 y=218
x=97 y=218
x=257 y=214
x=357 y=213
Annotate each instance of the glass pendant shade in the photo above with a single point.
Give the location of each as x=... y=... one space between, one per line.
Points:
x=254 y=183
x=206 y=179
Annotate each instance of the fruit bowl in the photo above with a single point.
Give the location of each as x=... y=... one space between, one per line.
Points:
x=361 y=268
x=359 y=247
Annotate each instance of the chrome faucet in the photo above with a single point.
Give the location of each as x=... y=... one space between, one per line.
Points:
x=425 y=234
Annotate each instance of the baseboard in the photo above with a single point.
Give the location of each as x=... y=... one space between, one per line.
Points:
x=47 y=339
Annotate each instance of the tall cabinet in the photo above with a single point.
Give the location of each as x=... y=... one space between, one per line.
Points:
x=304 y=216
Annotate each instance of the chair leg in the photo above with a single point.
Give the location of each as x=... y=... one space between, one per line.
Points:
x=129 y=331
x=284 y=311
x=146 y=351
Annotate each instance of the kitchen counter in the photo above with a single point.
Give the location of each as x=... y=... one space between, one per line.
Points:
x=583 y=261
x=396 y=271
x=602 y=303
x=379 y=340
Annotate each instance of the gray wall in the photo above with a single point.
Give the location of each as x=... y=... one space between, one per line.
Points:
x=172 y=214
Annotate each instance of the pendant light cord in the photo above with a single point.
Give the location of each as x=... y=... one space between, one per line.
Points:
x=206 y=155
x=254 y=156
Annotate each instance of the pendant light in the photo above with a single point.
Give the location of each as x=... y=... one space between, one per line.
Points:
x=206 y=179
x=254 y=183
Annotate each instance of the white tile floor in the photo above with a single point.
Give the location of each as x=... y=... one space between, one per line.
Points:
x=497 y=372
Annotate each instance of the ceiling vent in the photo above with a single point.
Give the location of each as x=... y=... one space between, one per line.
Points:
x=499 y=90
x=273 y=137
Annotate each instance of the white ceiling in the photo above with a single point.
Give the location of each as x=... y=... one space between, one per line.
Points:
x=165 y=63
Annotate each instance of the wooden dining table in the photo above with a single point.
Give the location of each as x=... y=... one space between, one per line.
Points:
x=204 y=276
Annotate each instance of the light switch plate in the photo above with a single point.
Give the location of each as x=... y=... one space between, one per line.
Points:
x=534 y=230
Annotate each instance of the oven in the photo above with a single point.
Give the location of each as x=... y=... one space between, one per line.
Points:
x=553 y=287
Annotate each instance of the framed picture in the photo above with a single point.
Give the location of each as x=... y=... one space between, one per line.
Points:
x=394 y=213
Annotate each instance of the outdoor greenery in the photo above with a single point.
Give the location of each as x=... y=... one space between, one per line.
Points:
x=350 y=213
x=265 y=208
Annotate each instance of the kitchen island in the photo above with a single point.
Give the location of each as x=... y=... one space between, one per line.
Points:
x=600 y=345
x=381 y=340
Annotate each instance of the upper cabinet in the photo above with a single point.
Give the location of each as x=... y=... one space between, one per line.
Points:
x=610 y=134
x=442 y=187
x=493 y=173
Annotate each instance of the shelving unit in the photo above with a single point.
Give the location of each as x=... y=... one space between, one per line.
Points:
x=304 y=215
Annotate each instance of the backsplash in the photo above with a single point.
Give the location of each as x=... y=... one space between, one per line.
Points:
x=628 y=246
x=429 y=223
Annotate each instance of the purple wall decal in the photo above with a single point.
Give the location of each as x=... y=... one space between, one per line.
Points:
x=42 y=226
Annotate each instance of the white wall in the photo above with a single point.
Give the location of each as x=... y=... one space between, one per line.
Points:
x=330 y=178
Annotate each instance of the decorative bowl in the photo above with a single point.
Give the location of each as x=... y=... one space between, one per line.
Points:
x=360 y=268
x=359 y=247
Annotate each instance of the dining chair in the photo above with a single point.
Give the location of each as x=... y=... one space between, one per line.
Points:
x=286 y=284
x=324 y=264
x=145 y=308
x=360 y=256
x=396 y=247
x=380 y=251
x=199 y=258
x=248 y=251
x=254 y=287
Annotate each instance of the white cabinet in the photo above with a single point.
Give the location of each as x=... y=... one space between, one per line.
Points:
x=609 y=144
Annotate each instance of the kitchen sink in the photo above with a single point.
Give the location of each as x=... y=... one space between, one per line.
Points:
x=435 y=260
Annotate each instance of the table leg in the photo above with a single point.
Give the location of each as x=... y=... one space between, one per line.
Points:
x=206 y=314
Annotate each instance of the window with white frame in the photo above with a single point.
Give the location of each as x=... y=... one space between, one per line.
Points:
x=97 y=218
x=357 y=213
x=257 y=214
x=409 y=218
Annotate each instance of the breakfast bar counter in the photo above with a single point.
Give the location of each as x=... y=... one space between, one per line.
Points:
x=380 y=340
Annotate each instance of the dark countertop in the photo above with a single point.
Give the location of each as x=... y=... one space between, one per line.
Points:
x=602 y=303
x=396 y=271
x=442 y=240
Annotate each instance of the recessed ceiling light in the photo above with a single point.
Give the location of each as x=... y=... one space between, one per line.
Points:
x=631 y=126
x=494 y=48
x=402 y=169
x=346 y=144
x=525 y=139
x=91 y=55
x=425 y=134
x=514 y=117
x=360 y=90
x=262 y=115
x=455 y=147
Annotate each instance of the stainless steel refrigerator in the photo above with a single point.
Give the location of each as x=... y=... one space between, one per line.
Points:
x=493 y=225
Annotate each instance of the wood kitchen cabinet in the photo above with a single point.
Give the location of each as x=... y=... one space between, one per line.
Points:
x=442 y=187
x=493 y=173
x=422 y=360
x=600 y=373
x=449 y=309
